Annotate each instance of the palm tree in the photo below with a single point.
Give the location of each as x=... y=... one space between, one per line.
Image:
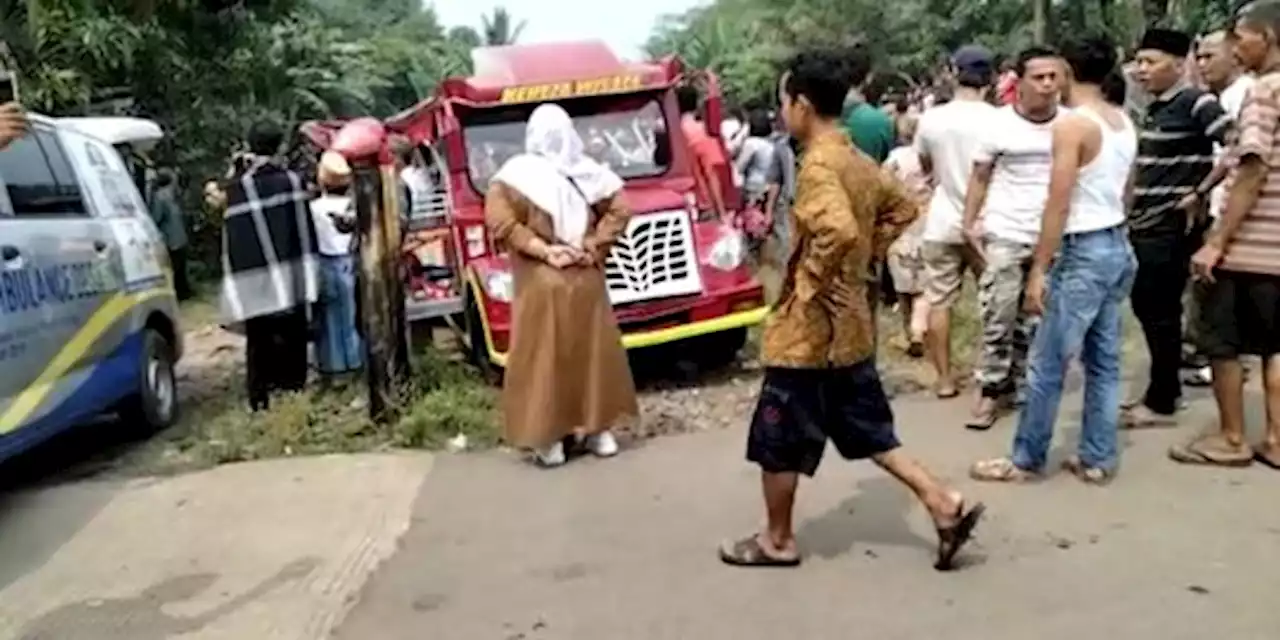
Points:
x=499 y=29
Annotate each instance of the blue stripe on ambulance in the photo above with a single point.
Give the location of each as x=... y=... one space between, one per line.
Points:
x=100 y=386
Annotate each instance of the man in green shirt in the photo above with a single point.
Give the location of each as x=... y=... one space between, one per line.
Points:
x=168 y=216
x=870 y=129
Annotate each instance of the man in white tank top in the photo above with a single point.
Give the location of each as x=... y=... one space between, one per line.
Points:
x=1080 y=278
x=1002 y=209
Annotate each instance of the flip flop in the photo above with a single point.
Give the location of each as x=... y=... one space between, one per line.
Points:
x=748 y=552
x=983 y=423
x=1196 y=452
x=1266 y=455
x=946 y=394
x=952 y=539
x=1000 y=470
x=1086 y=474
x=1198 y=377
x=916 y=350
x=1141 y=418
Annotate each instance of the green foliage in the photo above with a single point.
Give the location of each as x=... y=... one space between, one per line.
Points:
x=743 y=41
x=500 y=29
x=206 y=70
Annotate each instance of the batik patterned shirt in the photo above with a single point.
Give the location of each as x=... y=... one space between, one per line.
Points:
x=846 y=214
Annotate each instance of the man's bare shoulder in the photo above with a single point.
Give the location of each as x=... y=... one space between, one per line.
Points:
x=1075 y=125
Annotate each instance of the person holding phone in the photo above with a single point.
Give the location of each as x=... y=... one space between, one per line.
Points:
x=558 y=212
x=13 y=123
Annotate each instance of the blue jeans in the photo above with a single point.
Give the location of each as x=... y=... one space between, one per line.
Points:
x=339 y=348
x=1087 y=289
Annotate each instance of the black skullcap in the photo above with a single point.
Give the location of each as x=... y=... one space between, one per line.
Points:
x=1174 y=43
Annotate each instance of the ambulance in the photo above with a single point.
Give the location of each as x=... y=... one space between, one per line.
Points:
x=88 y=314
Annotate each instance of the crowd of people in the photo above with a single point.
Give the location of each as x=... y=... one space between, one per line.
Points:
x=1066 y=183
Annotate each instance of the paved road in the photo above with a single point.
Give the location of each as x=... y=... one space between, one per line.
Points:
x=481 y=547
x=625 y=549
x=259 y=551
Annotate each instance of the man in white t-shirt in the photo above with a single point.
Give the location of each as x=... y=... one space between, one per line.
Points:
x=948 y=137
x=1004 y=205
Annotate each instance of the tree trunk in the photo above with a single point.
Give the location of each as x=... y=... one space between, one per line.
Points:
x=1155 y=11
x=1040 y=21
x=380 y=290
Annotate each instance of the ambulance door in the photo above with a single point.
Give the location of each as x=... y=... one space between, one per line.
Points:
x=55 y=274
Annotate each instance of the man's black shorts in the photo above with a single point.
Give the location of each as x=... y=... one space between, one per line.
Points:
x=1240 y=315
x=799 y=409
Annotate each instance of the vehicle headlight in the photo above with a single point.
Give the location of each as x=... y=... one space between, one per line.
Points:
x=500 y=286
x=728 y=252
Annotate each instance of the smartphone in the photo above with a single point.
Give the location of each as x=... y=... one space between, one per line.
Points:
x=8 y=87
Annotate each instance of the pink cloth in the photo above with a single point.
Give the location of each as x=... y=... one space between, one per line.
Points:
x=1007 y=89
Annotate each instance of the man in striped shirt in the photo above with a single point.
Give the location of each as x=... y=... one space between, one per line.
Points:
x=1240 y=314
x=1172 y=181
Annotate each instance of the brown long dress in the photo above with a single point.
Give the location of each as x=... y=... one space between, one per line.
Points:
x=566 y=372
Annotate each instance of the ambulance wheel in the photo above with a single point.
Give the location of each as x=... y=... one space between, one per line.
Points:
x=155 y=406
x=477 y=349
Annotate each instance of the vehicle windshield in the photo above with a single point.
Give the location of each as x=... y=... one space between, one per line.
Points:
x=627 y=134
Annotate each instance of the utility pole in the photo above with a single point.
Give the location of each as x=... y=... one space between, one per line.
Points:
x=379 y=286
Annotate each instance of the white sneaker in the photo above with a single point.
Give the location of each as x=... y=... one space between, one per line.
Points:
x=603 y=444
x=552 y=456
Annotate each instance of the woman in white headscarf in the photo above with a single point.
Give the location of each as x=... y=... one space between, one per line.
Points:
x=558 y=212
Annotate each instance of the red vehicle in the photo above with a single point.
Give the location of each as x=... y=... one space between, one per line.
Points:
x=677 y=272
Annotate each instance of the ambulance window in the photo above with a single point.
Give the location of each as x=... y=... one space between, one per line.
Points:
x=38 y=177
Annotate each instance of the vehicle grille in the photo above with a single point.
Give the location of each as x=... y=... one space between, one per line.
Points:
x=654 y=258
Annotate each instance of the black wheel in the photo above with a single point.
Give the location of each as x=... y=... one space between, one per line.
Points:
x=477 y=349
x=155 y=405
x=721 y=349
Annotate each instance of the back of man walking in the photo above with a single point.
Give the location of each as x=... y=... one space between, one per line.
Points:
x=270 y=267
x=947 y=140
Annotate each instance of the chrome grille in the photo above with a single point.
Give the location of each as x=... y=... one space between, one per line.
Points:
x=654 y=258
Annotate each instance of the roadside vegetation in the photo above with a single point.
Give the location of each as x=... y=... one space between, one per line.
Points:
x=447 y=400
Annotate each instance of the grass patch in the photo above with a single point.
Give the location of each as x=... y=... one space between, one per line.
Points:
x=202 y=308
x=444 y=398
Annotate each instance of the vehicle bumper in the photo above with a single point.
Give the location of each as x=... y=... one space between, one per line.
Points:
x=666 y=335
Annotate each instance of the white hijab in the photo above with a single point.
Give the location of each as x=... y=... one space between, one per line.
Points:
x=552 y=164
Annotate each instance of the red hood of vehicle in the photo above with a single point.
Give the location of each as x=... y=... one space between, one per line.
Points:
x=662 y=196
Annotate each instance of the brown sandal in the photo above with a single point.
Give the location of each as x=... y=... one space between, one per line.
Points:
x=748 y=552
x=953 y=538
x=1212 y=450
x=1267 y=455
x=1089 y=475
x=1000 y=470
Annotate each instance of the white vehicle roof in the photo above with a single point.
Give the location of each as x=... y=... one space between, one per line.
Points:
x=141 y=133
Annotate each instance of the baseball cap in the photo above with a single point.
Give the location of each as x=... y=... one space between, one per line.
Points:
x=974 y=65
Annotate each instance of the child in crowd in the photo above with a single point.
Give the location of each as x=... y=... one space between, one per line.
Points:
x=906 y=266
